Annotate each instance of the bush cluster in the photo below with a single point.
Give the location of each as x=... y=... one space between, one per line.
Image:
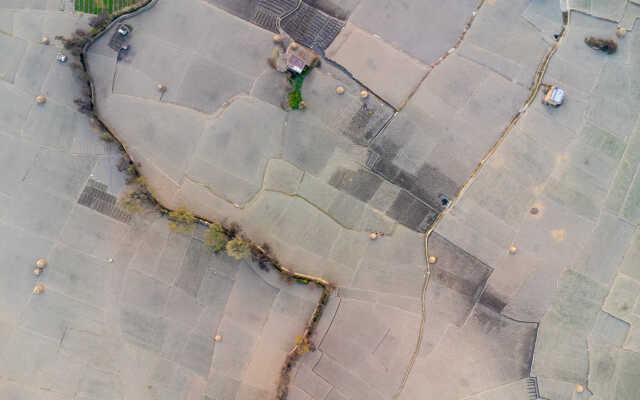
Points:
x=238 y=248
x=216 y=237
x=136 y=197
x=609 y=46
x=181 y=220
x=100 y=21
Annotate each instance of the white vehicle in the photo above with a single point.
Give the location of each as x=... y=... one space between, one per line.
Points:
x=123 y=30
x=554 y=96
x=61 y=58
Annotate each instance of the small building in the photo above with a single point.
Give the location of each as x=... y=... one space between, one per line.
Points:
x=298 y=57
x=295 y=64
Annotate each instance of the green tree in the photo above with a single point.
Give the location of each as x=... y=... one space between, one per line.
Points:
x=216 y=237
x=181 y=220
x=130 y=202
x=302 y=345
x=238 y=248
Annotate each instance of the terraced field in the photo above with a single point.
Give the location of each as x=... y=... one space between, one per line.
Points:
x=95 y=6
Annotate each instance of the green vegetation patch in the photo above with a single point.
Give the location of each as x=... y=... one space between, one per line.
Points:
x=238 y=248
x=216 y=236
x=295 y=98
x=181 y=220
x=95 y=6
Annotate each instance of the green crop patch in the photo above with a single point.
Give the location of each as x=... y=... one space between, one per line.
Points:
x=95 y=6
x=295 y=80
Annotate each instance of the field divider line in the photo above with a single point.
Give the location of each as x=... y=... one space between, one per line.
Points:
x=535 y=87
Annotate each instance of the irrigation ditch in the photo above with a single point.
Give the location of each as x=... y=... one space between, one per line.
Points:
x=259 y=253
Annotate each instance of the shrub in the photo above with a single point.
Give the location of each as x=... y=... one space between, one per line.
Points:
x=143 y=187
x=76 y=42
x=302 y=345
x=124 y=163
x=216 y=237
x=84 y=105
x=238 y=248
x=234 y=229
x=106 y=137
x=130 y=202
x=262 y=256
x=132 y=175
x=181 y=220
x=99 y=21
x=80 y=33
x=607 y=45
x=134 y=199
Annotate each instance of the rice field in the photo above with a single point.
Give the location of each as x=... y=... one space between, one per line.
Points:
x=95 y=6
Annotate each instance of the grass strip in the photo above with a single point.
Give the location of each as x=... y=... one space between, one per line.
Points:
x=295 y=80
